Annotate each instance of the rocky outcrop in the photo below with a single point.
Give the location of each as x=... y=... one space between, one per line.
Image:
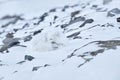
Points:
x=113 y=12
x=106 y=1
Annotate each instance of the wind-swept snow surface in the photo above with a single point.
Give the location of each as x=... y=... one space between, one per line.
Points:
x=60 y=40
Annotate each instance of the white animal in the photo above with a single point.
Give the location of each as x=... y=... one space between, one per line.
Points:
x=49 y=39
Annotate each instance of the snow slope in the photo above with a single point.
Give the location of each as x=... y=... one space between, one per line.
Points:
x=60 y=40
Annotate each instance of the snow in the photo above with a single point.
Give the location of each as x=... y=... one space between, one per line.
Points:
x=52 y=49
x=104 y=66
x=31 y=8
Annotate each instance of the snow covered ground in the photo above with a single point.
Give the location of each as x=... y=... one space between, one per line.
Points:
x=60 y=40
x=30 y=8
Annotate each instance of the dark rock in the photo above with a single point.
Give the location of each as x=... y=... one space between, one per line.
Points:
x=72 y=21
x=106 y=2
x=34 y=18
x=9 y=42
x=87 y=21
x=65 y=7
x=7 y=17
x=26 y=25
x=94 y=53
x=15 y=71
x=44 y=15
x=57 y=25
x=13 y=19
x=110 y=14
x=12 y=16
x=4 y=48
x=98 y=8
x=94 y=6
x=2 y=64
x=55 y=17
x=109 y=44
x=118 y=19
x=80 y=18
x=110 y=25
x=64 y=25
x=21 y=62
x=38 y=31
x=27 y=38
x=74 y=5
x=107 y=25
x=13 y=44
x=42 y=18
x=113 y=12
x=36 y=68
x=63 y=10
x=9 y=35
x=28 y=57
x=76 y=19
x=54 y=45
x=77 y=37
x=15 y=30
x=71 y=55
x=73 y=35
x=103 y=25
x=53 y=10
x=5 y=25
x=86 y=61
x=46 y=65
x=101 y=10
x=75 y=13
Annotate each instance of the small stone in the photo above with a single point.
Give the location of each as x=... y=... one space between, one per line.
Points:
x=118 y=19
x=15 y=71
x=28 y=57
x=106 y=2
x=53 y=10
x=55 y=17
x=29 y=37
x=46 y=65
x=94 y=6
x=75 y=13
x=64 y=25
x=21 y=62
x=113 y=12
x=66 y=6
x=73 y=35
x=89 y=21
x=38 y=31
x=36 y=68
x=79 y=18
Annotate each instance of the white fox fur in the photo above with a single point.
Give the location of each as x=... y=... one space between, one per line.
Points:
x=48 y=40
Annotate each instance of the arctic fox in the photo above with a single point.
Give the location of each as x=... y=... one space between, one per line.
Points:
x=48 y=40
